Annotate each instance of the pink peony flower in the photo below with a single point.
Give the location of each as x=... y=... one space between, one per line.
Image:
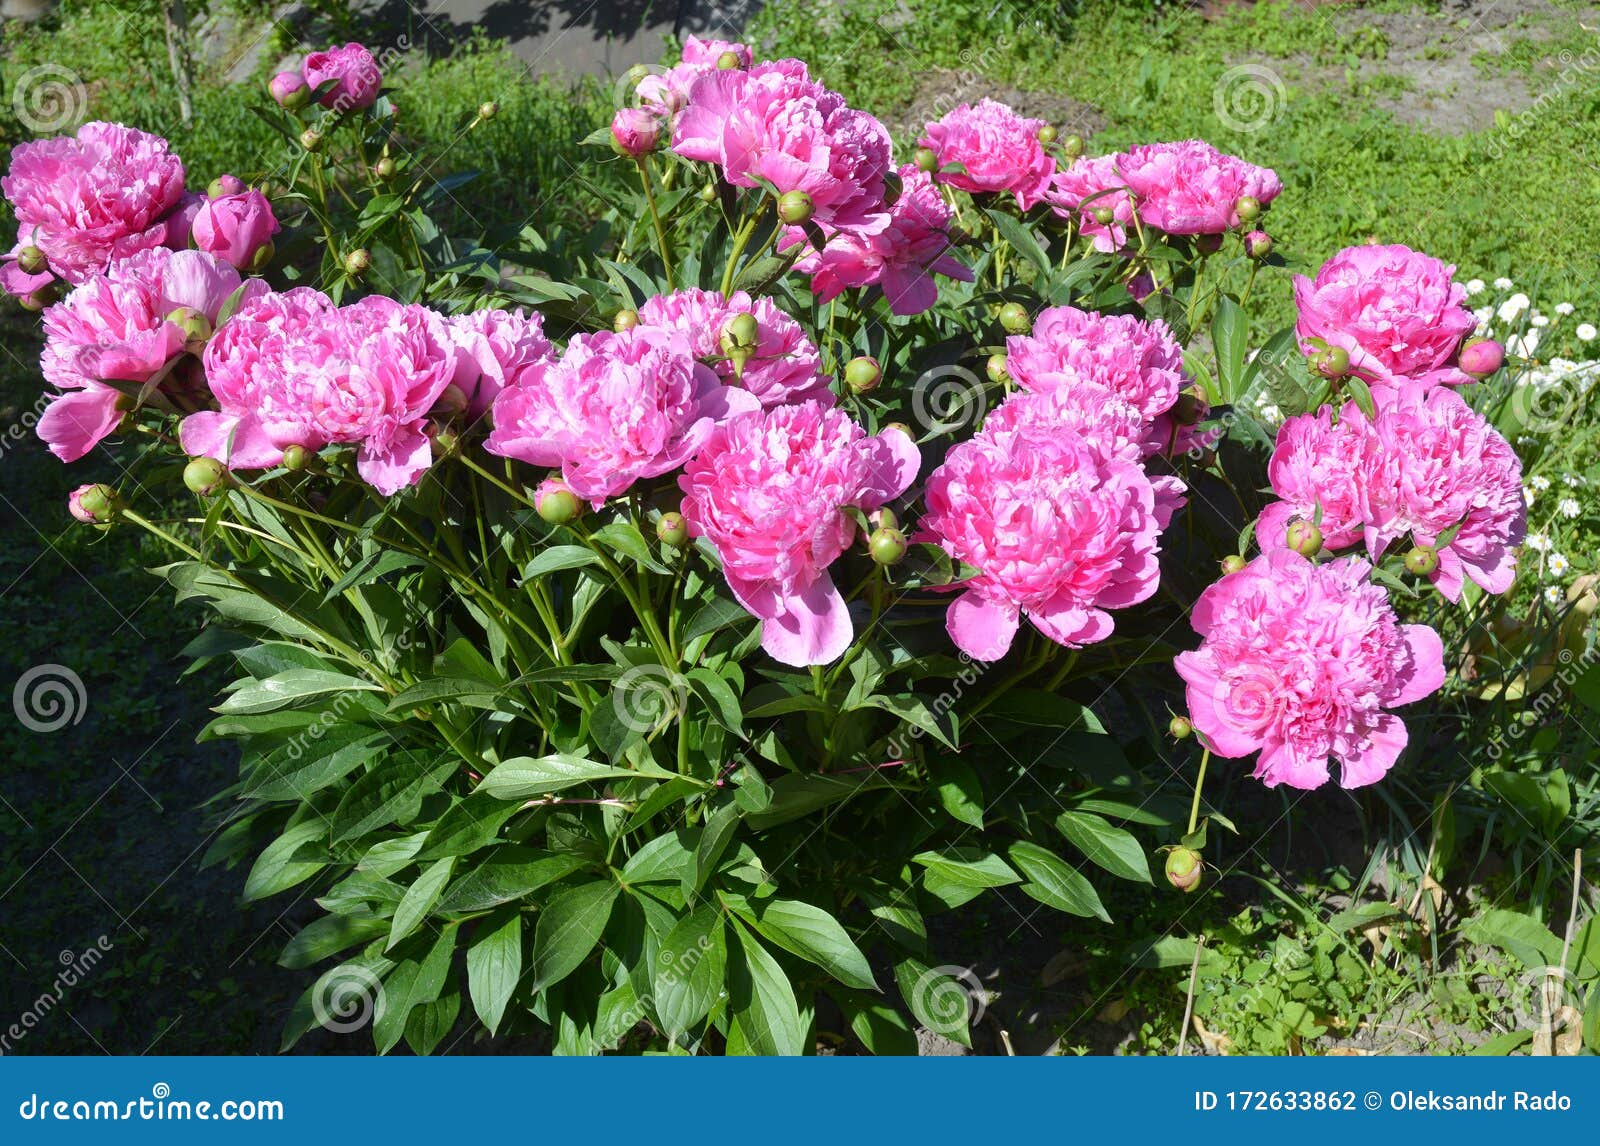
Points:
x=1134 y=357
x=1191 y=188
x=667 y=93
x=1299 y=662
x=999 y=149
x=1058 y=531
x=901 y=259
x=784 y=367
x=234 y=227
x=1317 y=462
x=770 y=491
x=356 y=73
x=293 y=369
x=114 y=328
x=634 y=131
x=612 y=410
x=88 y=199
x=180 y=220
x=1090 y=185
x=499 y=346
x=774 y=123
x=1394 y=310
x=1428 y=463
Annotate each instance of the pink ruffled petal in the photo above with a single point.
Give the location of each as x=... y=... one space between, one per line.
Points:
x=981 y=628
x=813 y=627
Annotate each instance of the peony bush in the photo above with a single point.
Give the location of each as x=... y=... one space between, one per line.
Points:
x=638 y=636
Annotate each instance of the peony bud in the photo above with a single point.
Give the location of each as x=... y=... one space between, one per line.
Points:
x=488 y=110
x=1208 y=244
x=1188 y=409
x=1180 y=728
x=88 y=503
x=196 y=328
x=1105 y=216
x=384 y=169
x=708 y=193
x=357 y=262
x=1248 y=208
x=1333 y=362
x=555 y=502
x=887 y=545
x=1258 y=244
x=1183 y=869
x=883 y=518
x=741 y=332
x=1232 y=563
x=926 y=159
x=728 y=61
x=995 y=368
x=634 y=132
x=39 y=299
x=625 y=319
x=225 y=185
x=1046 y=134
x=672 y=530
x=1304 y=537
x=862 y=374
x=32 y=261
x=290 y=90
x=1072 y=146
x=1422 y=560
x=795 y=208
x=1014 y=317
x=234 y=226
x=311 y=139
x=203 y=475
x=452 y=400
x=1481 y=357
x=296 y=458
x=899 y=426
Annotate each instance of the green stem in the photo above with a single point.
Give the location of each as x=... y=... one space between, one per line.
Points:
x=1199 y=783
x=655 y=218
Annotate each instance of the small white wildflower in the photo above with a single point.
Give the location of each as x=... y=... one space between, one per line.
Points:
x=1484 y=315
x=1539 y=542
x=1571 y=481
x=1553 y=595
x=1539 y=482
x=1558 y=564
x=1586 y=332
x=1513 y=306
x=1474 y=286
x=1523 y=345
x=1568 y=507
x=1502 y=283
x=1563 y=308
x=1539 y=319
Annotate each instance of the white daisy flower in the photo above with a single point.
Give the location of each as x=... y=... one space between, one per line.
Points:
x=1553 y=595
x=1557 y=564
x=1563 y=308
x=1586 y=332
x=1502 y=283
x=1513 y=306
x=1568 y=507
x=1539 y=482
x=1474 y=286
x=1539 y=542
x=1539 y=320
